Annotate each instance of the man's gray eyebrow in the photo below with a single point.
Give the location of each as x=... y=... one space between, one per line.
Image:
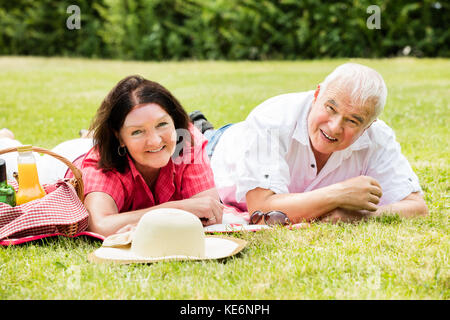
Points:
x=332 y=102
x=357 y=117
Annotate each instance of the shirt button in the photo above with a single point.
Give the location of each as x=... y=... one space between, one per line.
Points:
x=313 y=165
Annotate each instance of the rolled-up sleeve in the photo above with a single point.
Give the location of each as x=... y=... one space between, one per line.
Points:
x=96 y=180
x=392 y=170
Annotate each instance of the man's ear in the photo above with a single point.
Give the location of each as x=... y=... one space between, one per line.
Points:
x=370 y=124
x=316 y=93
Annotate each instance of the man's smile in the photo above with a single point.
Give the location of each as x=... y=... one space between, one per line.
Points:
x=331 y=139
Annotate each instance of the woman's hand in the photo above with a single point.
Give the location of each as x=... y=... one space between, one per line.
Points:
x=208 y=209
x=206 y=205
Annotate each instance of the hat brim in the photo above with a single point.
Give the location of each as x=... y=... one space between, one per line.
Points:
x=216 y=247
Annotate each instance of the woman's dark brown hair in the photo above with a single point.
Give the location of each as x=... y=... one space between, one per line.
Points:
x=129 y=92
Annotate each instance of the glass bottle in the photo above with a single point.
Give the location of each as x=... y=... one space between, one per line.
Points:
x=7 y=192
x=29 y=186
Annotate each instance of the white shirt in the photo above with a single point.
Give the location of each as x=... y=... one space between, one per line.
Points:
x=271 y=150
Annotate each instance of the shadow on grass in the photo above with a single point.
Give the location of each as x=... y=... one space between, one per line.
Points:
x=57 y=241
x=388 y=219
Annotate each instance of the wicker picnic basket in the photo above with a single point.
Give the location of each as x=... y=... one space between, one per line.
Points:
x=76 y=182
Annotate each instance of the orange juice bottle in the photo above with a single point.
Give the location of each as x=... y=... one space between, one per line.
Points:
x=29 y=186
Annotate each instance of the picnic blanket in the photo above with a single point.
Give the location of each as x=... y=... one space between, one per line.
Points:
x=59 y=212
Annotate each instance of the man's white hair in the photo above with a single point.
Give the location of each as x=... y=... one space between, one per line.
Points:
x=365 y=84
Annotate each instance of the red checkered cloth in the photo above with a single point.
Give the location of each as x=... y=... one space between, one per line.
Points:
x=60 y=212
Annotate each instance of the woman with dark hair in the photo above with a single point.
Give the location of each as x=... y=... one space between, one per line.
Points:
x=145 y=155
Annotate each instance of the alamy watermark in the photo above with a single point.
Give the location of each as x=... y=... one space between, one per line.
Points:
x=73 y=22
x=73 y=278
x=374 y=20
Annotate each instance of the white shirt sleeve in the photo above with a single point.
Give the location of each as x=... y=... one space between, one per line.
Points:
x=263 y=163
x=390 y=167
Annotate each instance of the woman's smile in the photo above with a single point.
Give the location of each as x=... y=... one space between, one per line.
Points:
x=156 y=150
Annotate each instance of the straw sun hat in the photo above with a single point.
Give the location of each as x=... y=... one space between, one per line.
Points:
x=165 y=235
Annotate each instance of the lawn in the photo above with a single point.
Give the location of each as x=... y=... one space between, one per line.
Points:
x=46 y=101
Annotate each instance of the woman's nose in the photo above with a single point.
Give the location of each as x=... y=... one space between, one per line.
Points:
x=153 y=140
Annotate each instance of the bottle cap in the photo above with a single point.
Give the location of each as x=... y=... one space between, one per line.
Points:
x=2 y=170
x=25 y=148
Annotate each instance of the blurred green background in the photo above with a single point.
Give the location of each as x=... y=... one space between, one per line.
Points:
x=224 y=29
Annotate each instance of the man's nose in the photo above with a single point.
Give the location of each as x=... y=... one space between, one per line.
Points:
x=335 y=125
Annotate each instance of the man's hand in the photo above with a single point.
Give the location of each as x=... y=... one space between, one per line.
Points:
x=359 y=193
x=343 y=215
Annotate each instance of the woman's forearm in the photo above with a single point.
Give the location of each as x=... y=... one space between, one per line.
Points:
x=202 y=205
x=110 y=223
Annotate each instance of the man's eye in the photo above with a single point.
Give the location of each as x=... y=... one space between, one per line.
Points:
x=162 y=124
x=329 y=108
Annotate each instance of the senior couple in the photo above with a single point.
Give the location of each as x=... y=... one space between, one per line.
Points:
x=315 y=155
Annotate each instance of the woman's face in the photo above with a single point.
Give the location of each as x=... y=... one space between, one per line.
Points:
x=149 y=135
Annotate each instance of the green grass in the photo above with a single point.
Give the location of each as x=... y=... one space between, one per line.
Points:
x=46 y=101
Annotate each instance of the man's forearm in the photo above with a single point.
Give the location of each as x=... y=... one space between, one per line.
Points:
x=297 y=206
x=410 y=207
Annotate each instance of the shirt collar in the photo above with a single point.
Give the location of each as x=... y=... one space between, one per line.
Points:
x=164 y=187
x=361 y=143
x=301 y=129
x=132 y=166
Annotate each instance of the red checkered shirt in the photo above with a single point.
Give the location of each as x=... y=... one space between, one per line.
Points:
x=179 y=179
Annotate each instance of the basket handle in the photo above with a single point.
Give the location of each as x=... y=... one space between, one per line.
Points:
x=77 y=182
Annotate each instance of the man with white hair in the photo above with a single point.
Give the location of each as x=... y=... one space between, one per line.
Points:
x=318 y=155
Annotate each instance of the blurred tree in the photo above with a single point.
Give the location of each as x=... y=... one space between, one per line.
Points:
x=225 y=29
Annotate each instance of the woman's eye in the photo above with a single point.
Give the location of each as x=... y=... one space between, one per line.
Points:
x=136 y=132
x=162 y=124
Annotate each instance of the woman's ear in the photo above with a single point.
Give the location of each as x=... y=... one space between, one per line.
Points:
x=119 y=138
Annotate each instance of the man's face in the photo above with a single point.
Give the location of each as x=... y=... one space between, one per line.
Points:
x=334 y=122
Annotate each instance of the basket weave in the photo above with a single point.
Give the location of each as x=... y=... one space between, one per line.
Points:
x=76 y=182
